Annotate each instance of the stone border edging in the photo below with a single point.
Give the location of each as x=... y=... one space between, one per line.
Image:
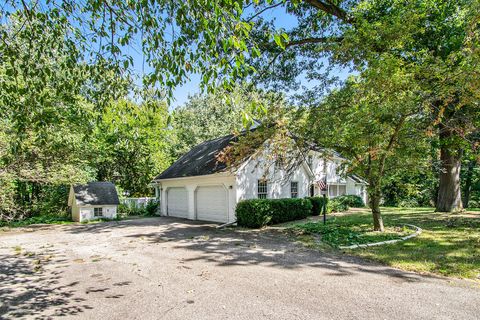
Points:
x=366 y=245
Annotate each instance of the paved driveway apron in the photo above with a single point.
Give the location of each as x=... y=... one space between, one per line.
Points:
x=165 y=268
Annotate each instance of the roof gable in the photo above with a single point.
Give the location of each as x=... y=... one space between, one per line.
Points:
x=200 y=160
x=96 y=193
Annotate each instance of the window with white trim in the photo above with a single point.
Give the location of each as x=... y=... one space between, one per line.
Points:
x=262 y=189
x=294 y=189
x=332 y=190
x=335 y=190
x=98 y=212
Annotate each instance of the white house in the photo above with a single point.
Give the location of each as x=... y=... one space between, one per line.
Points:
x=93 y=200
x=199 y=187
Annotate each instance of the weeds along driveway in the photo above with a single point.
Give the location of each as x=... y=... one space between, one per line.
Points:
x=166 y=268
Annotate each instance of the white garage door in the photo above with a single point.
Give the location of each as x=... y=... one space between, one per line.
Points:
x=177 y=202
x=211 y=203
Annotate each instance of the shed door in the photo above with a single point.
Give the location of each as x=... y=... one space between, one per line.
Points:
x=211 y=203
x=177 y=202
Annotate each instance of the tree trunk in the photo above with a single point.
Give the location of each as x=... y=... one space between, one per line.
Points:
x=449 y=195
x=375 y=197
x=468 y=183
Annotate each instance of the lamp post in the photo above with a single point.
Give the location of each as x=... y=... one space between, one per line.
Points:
x=325 y=190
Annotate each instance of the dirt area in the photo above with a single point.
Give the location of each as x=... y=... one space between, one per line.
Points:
x=166 y=268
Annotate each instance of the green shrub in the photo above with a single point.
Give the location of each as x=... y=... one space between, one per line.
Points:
x=335 y=205
x=343 y=203
x=408 y=203
x=130 y=209
x=257 y=213
x=351 y=201
x=151 y=208
x=126 y=210
x=317 y=205
x=473 y=204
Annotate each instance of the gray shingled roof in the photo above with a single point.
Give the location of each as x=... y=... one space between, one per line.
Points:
x=200 y=160
x=357 y=179
x=96 y=193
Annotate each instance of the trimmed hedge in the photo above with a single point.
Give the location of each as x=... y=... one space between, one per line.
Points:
x=257 y=213
x=317 y=205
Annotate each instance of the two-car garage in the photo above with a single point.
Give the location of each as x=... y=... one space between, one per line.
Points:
x=210 y=203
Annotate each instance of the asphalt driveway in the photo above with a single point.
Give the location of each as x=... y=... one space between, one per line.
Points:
x=165 y=268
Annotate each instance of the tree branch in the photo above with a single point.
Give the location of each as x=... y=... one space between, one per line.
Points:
x=262 y=11
x=330 y=8
x=312 y=40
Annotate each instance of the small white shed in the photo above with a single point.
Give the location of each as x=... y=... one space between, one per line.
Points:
x=93 y=200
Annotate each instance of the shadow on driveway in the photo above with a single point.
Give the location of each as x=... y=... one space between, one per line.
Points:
x=239 y=247
x=28 y=289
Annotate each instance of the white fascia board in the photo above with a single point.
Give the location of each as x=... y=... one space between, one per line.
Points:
x=218 y=174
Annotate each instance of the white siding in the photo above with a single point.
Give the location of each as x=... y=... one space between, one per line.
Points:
x=86 y=212
x=278 y=182
x=333 y=167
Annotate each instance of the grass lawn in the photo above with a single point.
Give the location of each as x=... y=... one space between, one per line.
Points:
x=60 y=219
x=449 y=244
x=42 y=219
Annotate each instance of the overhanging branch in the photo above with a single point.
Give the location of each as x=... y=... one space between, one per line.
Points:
x=313 y=40
x=330 y=8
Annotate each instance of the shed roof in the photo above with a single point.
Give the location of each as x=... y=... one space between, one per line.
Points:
x=96 y=193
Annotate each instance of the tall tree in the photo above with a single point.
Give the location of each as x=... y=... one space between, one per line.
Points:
x=227 y=40
x=131 y=144
x=204 y=117
x=377 y=131
x=45 y=118
x=49 y=98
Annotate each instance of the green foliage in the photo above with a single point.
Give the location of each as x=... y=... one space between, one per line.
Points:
x=343 y=203
x=416 y=67
x=125 y=210
x=205 y=117
x=351 y=200
x=335 y=234
x=42 y=219
x=409 y=186
x=132 y=144
x=335 y=205
x=151 y=208
x=408 y=203
x=47 y=106
x=317 y=205
x=130 y=209
x=257 y=213
x=474 y=204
